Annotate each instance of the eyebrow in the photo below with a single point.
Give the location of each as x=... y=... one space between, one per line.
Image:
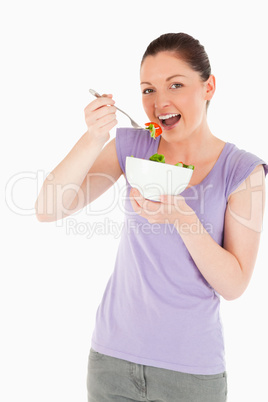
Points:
x=168 y=79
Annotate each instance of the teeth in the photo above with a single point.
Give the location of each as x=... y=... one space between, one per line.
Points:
x=167 y=116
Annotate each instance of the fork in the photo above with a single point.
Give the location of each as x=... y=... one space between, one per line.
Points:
x=133 y=123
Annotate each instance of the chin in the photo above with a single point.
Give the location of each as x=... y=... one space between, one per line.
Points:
x=172 y=135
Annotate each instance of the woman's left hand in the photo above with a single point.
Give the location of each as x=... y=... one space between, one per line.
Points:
x=167 y=211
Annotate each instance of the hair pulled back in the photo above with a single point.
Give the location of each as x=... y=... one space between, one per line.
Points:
x=186 y=48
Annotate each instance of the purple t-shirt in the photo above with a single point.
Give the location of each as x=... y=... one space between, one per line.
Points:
x=158 y=309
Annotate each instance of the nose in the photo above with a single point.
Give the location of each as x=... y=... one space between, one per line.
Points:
x=161 y=100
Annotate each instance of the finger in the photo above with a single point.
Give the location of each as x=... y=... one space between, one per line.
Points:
x=92 y=117
x=136 y=195
x=99 y=113
x=100 y=123
x=147 y=207
x=136 y=207
x=134 y=199
x=98 y=103
x=104 y=111
x=107 y=127
x=171 y=199
x=152 y=208
x=166 y=199
x=177 y=203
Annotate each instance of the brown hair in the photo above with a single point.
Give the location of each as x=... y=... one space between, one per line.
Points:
x=185 y=47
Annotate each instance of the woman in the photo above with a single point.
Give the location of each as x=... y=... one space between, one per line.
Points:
x=158 y=334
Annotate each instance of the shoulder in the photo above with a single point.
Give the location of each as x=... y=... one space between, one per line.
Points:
x=238 y=165
x=244 y=215
x=236 y=156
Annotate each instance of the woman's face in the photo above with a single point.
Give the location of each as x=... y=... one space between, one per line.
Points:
x=174 y=96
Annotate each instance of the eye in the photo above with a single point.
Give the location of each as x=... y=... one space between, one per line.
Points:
x=175 y=86
x=147 y=91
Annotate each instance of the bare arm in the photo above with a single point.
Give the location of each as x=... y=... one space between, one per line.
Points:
x=227 y=269
x=87 y=171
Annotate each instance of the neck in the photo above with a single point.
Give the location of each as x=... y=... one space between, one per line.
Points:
x=194 y=147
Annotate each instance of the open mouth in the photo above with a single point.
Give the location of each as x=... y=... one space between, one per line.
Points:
x=169 y=120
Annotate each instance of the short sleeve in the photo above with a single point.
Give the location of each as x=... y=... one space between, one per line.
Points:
x=241 y=165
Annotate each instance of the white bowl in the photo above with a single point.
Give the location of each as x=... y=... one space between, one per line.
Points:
x=153 y=179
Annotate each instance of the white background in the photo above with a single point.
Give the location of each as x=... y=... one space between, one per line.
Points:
x=53 y=277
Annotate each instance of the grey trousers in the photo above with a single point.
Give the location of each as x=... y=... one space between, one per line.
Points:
x=111 y=379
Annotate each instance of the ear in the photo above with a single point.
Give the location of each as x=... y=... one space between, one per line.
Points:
x=210 y=87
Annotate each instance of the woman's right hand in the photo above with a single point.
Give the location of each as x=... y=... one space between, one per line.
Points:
x=100 y=118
